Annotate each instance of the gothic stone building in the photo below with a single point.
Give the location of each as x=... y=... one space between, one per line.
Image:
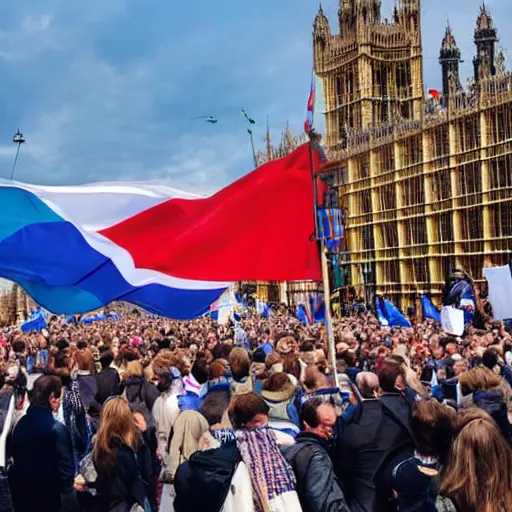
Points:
x=425 y=183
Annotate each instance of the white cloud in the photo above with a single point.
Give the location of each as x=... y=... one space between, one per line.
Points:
x=201 y=164
x=33 y=36
x=7 y=151
x=34 y=25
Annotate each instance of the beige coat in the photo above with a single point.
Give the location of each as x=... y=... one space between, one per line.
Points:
x=188 y=430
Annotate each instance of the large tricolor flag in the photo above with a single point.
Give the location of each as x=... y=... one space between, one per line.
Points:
x=75 y=249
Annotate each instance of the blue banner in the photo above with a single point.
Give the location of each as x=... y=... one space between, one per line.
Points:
x=302 y=315
x=394 y=315
x=36 y=322
x=381 y=317
x=429 y=310
x=262 y=308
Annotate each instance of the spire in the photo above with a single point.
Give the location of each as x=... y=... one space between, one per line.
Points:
x=396 y=12
x=321 y=28
x=449 y=42
x=370 y=9
x=484 y=20
x=321 y=22
x=485 y=39
x=449 y=58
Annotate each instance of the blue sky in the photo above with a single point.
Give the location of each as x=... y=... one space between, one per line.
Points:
x=107 y=90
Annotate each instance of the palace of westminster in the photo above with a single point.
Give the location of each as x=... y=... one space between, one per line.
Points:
x=425 y=185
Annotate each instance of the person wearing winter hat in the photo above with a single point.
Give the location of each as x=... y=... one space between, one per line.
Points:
x=279 y=393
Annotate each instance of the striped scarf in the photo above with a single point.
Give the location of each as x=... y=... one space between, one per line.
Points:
x=271 y=475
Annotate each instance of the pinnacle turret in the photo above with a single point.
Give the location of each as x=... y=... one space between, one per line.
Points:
x=449 y=58
x=486 y=37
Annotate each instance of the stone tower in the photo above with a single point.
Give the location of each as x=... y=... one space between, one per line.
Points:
x=372 y=69
x=486 y=37
x=449 y=58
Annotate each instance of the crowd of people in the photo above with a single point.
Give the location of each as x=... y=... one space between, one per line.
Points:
x=145 y=414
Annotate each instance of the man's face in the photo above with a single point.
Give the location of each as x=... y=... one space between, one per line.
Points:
x=326 y=422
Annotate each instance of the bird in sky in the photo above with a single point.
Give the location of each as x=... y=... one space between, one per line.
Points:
x=208 y=119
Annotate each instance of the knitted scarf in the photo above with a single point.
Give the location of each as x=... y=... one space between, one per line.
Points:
x=270 y=473
x=223 y=435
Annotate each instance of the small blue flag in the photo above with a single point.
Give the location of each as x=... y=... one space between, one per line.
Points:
x=384 y=322
x=394 y=316
x=429 y=310
x=36 y=322
x=262 y=308
x=302 y=315
x=317 y=305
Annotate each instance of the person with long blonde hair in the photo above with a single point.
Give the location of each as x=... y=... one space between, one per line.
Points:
x=121 y=458
x=477 y=476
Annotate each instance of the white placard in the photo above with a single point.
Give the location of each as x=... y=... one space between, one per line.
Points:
x=499 y=280
x=452 y=320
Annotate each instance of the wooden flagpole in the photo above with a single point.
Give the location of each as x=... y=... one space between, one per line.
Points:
x=325 y=267
x=328 y=315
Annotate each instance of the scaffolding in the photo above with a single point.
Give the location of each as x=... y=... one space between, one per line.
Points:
x=425 y=190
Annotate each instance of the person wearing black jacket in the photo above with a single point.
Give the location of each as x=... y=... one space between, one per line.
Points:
x=317 y=486
x=121 y=459
x=44 y=466
x=108 y=379
x=378 y=431
x=211 y=471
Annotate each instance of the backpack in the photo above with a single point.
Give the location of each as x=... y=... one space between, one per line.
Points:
x=493 y=404
x=211 y=471
x=138 y=404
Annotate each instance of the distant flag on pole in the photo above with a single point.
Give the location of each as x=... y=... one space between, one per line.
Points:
x=435 y=94
x=310 y=111
x=315 y=103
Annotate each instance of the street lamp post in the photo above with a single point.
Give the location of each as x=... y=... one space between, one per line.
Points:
x=17 y=139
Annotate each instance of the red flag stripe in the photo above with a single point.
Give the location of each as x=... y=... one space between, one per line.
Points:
x=258 y=228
